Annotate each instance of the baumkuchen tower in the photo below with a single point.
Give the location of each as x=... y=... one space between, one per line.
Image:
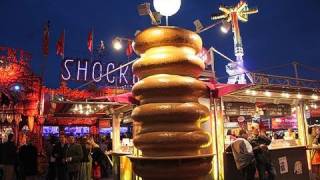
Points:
x=170 y=137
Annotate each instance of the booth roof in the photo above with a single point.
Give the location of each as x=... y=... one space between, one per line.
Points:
x=126 y=98
x=219 y=89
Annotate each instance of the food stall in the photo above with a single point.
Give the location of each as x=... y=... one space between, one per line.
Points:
x=275 y=110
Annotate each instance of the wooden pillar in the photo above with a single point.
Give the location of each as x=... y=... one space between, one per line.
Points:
x=116 y=145
x=220 y=136
x=302 y=128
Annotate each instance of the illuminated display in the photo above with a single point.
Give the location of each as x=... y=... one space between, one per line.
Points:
x=76 y=131
x=109 y=130
x=50 y=130
x=85 y=70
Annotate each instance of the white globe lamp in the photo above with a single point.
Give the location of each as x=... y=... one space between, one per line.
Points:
x=167 y=7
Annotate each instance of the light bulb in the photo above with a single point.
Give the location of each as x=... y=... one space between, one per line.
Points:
x=117 y=44
x=299 y=96
x=286 y=95
x=76 y=108
x=167 y=7
x=253 y=93
x=267 y=93
x=314 y=97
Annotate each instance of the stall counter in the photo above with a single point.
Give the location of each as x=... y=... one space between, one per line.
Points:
x=289 y=162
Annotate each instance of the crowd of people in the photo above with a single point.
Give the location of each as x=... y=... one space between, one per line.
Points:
x=81 y=159
x=18 y=162
x=251 y=155
x=67 y=158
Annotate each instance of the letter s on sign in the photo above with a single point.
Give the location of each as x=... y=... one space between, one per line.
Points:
x=67 y=69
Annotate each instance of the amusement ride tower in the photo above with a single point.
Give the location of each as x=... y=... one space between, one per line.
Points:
x=233 y=15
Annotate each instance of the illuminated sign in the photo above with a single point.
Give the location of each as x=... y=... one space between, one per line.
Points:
x=97 y=71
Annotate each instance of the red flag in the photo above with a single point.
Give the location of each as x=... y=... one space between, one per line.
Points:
x=45 y=40
x=129 y=49
x=90 y=41
x=60 y=45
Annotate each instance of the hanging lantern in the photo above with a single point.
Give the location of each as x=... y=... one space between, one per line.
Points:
x=30 y=123
x=17 y=118
x=3 y=117
x=9 y=118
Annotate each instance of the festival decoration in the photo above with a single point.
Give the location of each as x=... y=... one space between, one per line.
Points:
x=169 y=137
x=68 y=93
x=60 y=45
x=30 y=123
x=11 y=73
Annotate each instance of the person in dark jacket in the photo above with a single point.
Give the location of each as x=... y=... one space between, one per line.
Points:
x=74 y=156
x=59 y=156
x=86 y=162
x=260 y=143
x=9 y=158
x=51 y=175
x=243 y=155
x=28 y=161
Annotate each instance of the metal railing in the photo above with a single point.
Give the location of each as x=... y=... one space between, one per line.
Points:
x=284 y=81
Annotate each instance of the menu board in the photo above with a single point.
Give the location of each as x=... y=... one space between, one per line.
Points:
x=276 y=109
x=284 y=122
x=265 y=122
x=239 y=109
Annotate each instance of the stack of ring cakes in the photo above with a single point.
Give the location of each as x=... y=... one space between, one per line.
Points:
x=170 y=137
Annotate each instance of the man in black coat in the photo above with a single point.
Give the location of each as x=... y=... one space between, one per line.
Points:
x=59 y=155
x=28 y=161
x=74 y=156
x=9 y=158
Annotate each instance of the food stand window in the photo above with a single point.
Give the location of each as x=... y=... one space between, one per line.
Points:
x=275 y=114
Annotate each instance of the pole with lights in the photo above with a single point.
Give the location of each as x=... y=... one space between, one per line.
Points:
x=233 y=15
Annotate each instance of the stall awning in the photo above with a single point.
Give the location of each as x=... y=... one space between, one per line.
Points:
x=126 y=98
x=220 y=89
x=78 y=121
